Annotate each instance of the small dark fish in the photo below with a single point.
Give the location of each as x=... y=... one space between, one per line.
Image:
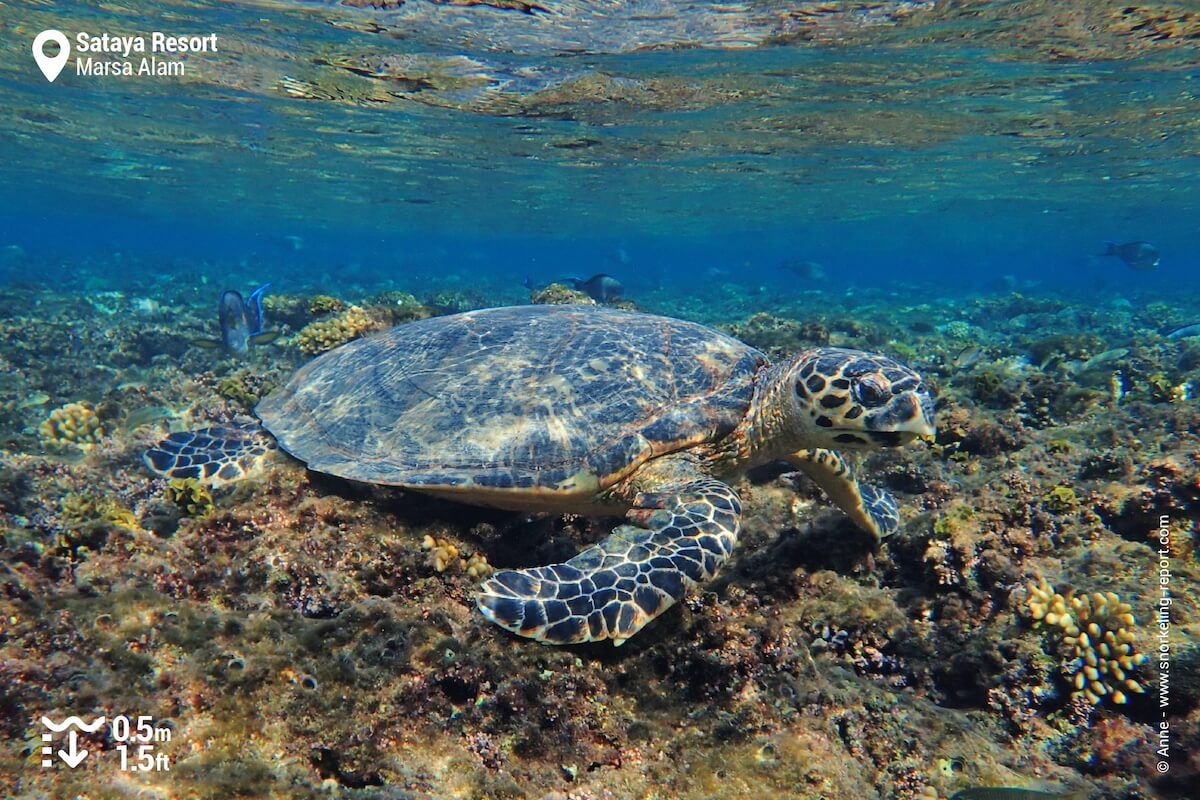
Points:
x=527 y=282
x=1184 y=332
x=1141 y=256
x=601 y=288
x=241 y=322
x=808 y=270
x=1012 y=793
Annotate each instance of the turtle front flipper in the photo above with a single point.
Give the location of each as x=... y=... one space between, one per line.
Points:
x=613 y=588
x=213 y=456
x=870 y=508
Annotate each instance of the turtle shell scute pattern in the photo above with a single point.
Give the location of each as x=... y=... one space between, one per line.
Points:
x=556 y=399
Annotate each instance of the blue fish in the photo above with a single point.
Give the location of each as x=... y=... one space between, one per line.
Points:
x=241 y=322
x=254 y=310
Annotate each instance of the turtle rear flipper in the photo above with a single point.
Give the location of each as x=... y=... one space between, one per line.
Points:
x=213 y=456
x=612 y=589
x=870 y=508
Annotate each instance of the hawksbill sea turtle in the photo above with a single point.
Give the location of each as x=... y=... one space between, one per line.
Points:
x=586 y=410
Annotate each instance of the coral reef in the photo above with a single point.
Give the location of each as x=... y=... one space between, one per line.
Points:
x=323 y=304
x=1096 y=640
x=244 y=388
x=301 y=640
x=290 y=309
x=72 y=425
x=444 y=555
x=1061 y=500
x=191 y=497
x=777 y=337
x=353 y=323
x=556 y=294
x=401 y=307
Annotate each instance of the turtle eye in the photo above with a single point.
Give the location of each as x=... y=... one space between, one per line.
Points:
x=870 y=393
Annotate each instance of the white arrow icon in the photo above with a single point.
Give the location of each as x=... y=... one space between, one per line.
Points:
x=51 y=65
x=72 y=756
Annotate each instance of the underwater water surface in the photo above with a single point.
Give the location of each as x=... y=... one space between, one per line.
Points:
x=1001 y=196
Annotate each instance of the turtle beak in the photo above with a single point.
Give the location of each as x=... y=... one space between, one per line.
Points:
x=908 y=417
x=921 y=424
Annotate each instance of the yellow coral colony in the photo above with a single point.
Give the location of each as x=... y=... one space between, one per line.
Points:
x=443 y=555
x=73 y=424
x=317 y=337
x=1096 y=640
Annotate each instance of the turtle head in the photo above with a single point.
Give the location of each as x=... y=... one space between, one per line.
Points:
x=848 y=399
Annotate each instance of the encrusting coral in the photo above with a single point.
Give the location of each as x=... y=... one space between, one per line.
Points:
x=1061 y=500
x=400 y=307
x=1096 y=642
x=779 y=336
x=244 y=388
x=73 y=424
x=325 y=304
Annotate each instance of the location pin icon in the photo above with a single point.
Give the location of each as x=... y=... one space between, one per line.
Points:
x=51 y=65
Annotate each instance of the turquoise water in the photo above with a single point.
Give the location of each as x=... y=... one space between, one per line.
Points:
x=951 y=171
x=888 y=149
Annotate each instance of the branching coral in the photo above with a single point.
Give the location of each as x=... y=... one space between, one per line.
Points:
x=1096 y=640
x=73 y=424
x=317 y=337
